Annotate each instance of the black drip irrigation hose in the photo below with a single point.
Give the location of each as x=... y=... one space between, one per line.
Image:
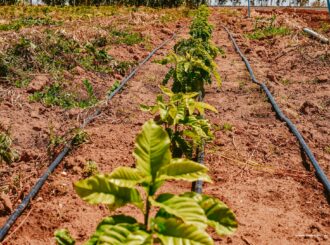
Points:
x=125 y=80
x=319 y=172
x=198 y=185
x=25 y=202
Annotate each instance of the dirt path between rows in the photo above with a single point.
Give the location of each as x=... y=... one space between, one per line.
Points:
x=258 y=168
x=111 y=144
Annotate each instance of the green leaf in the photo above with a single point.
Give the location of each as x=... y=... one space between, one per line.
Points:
x=201 y=106
x=191 y=105
x=219 y=216
x=174 y=232
x=184 y=208
x=99 y=190
x=145 y=107
x=126 y=177
x=152 y=149
x=186 y=66
x=63 y=237
x=184 y=169
x=120 y=229
x=180 y=146
x=217 y=77
x=166 y=91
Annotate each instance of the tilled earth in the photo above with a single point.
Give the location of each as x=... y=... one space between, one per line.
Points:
x=257 y=167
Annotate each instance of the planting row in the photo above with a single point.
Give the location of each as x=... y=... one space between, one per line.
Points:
x=166 y=150
x=67 y=68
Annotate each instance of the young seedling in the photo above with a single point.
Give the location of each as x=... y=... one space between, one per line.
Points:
x=125 y=37
x=193 y=59
x=178 y=219
x=113 y=87
x=327 y=149
x=182 y=117
x=90 y=169
x=227 y=127
x=189 y=73
x=55 y=141
x=268 y=31
x=63 y=237
x=55 y=95
x=7 y=153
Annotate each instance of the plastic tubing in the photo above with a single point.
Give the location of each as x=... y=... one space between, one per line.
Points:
x=320 y=37
x=198 y=185
x=318 y=170
x=26 y=200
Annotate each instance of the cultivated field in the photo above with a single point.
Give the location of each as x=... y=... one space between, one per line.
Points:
x=58 y=65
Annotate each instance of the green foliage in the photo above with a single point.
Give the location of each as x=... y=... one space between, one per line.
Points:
x=4 y=67
x=182 y=117
x=55 y=95
x=79 y=137
x=227 y=127
x=325 y=27
x=178 y=130
x=75 y=136
x=200 y=28
x=98 y=189
x=189 y=73
x=63 y=237
x=113 y=87
x=54 y=52
x=179 y=219
x=327 y=149
x=7 y=153
x=22 y=83
x=149 y=3
x=268 y=30
x=197 y=48
x=195 y=3
x=125 y=37
x=269 y=33
x=193 y=59
x=120 y=229
x=90 y=169
x=218 y=215
x=100 y=42
x=55 y=141
x=27 y=22
x=90 y=91
x=5 y=2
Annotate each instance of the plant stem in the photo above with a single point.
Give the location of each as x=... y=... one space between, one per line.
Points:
x=146 y=215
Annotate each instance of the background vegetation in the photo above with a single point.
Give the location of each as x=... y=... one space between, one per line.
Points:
x=149 y=3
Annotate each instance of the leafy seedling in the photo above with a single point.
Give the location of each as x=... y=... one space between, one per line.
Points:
x=90 y=169
x=113 y=87
x=227 y=127
x=7 y=153
x=63 y=237
x=178 y=219
x=182 y=117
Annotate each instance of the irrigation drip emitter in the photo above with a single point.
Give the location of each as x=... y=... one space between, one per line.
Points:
x=26 y=200
x=319 y=172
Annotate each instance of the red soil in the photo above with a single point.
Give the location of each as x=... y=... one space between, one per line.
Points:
x=257 y=168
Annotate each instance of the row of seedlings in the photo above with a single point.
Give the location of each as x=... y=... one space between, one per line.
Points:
x=164 y=151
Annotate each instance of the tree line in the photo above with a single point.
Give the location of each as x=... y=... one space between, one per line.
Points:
x=148 y=3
